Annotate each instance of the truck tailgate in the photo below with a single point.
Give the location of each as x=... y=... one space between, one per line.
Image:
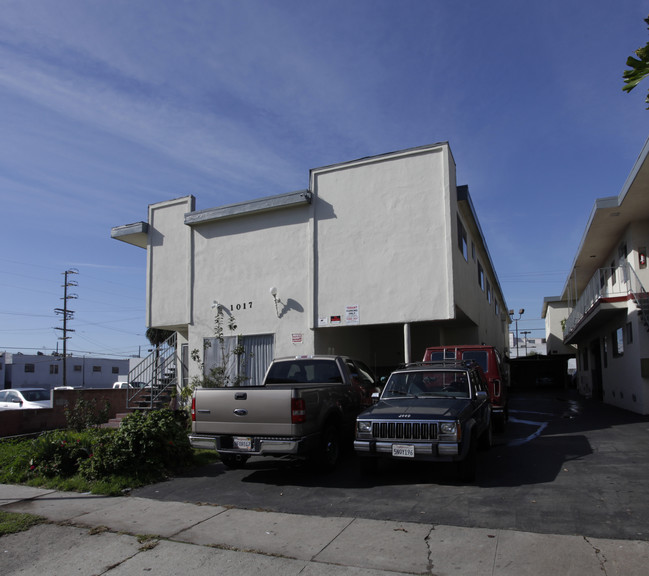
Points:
x=246 y=411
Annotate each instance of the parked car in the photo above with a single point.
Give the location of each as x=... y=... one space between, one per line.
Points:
x=493 y=366
x=22 y=398
x=124 y=385
x=432 y=412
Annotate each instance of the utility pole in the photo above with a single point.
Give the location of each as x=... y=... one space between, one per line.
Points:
x=67 y=314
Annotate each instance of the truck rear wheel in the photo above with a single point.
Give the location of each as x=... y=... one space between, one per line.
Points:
x=328 y=453
x=234 y=460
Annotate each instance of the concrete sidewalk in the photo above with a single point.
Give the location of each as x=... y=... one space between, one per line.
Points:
x=97 y=535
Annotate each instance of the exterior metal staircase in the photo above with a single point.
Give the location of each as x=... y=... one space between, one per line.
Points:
x=155 y=379
x=642 y=302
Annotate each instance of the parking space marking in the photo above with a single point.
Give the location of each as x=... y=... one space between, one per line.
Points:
x=540 y=426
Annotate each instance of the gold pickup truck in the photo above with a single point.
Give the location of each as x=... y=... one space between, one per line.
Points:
x=306 y=407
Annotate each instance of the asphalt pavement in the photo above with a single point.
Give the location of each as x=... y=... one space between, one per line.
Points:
x=562 y=492
x=114 y=536
x=565 y=465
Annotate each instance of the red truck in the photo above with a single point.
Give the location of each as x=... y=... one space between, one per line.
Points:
x=493 y=366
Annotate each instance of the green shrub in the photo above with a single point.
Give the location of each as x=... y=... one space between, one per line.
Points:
x=145 y=446
x=85 y=414
x=62 y=452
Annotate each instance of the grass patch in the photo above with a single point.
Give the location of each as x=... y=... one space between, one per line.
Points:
x=11 y=522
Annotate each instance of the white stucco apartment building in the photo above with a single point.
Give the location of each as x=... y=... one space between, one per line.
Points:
x=377 y=259
x=603 y=309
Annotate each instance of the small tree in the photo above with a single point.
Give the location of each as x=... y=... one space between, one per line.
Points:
x=230 y=369
x=639 y=68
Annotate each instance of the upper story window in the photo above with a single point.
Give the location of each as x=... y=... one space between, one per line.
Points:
x=96 y=368
x=462 y=239
x=480 y=276
x=30 y=368
x=617 y=338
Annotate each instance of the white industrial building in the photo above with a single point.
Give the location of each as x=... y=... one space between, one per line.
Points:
x=46 y=371
x=603 y=309
x=378 y=258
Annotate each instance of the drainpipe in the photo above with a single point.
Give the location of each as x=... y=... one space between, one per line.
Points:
x=406 y=343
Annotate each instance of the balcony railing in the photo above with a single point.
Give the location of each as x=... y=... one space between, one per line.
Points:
x=605 y=283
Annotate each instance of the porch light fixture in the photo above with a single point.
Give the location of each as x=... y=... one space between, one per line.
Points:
x=273 y=293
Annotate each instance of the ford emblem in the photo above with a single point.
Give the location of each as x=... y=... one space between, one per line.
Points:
x=240 y=411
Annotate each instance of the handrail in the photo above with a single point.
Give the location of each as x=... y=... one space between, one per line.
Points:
x=154 y=377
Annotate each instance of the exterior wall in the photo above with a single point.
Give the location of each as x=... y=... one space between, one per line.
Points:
x=382 y=235
x=556 y=314
x=48 y=371
x=169 y=261
x=621 y=381
x=236 y=263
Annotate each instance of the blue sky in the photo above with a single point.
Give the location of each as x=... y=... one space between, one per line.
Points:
x=111 y=105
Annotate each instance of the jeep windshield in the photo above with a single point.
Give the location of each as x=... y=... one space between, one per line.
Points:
x=431 y=384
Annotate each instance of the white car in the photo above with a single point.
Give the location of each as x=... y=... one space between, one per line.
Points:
x=20 y=398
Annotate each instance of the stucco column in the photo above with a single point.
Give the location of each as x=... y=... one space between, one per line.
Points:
x=406 y=342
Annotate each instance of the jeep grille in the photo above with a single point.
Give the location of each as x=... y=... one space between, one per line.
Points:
x=404 y=430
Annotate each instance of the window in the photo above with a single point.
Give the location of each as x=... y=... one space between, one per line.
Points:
x=77 y=367
x=613 y=274
x=497 y=308
x=461 y=239
x=629 y=333
x=480 y=277
x=54 y=368
x=617 y=338
x=115 y=370
x=30 y=368
x=488 y=292
x=472 y=250
x=96 y=368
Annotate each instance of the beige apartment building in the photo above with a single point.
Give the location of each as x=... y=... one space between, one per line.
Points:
x=378 y=258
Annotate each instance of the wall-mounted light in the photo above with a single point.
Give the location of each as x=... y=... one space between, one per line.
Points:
x=273 y=293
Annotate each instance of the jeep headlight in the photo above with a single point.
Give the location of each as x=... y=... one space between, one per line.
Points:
x=364 y=427
x=448 y=431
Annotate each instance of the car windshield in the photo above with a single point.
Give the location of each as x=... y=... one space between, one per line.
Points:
x=36 y=395
x=479 y=356
x=434 y=383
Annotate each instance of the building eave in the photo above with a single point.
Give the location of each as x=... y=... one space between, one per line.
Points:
x=136 y=234
x=266 y=204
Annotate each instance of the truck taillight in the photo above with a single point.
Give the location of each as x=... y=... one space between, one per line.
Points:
x=298 y=410
x=193 y=409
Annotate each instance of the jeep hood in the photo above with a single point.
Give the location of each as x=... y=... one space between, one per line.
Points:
x=417 y=408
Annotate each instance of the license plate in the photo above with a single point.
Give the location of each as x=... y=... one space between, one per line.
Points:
x=403 y=450
x=242 y=443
